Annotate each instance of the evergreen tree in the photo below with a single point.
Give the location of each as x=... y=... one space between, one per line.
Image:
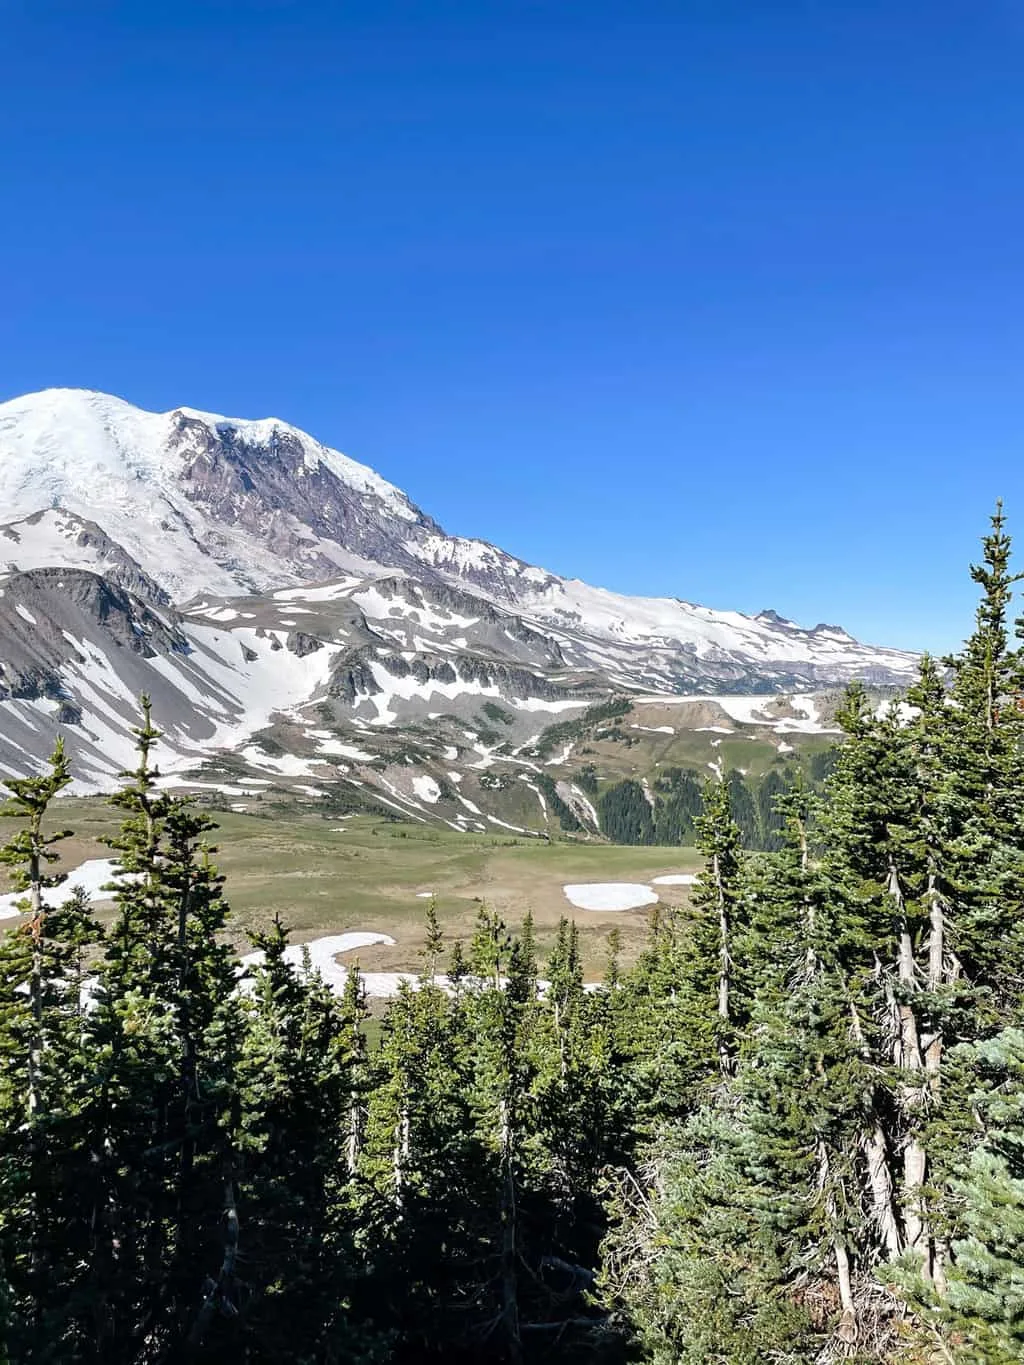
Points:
x=44 y=1101
x=293 y=1169
x=983 y=1311
x=770 y=818
x=625 y=813
x=165 y=1035
x=742 y=810
x=717 y=904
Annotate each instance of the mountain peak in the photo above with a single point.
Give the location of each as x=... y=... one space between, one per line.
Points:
x=215 y=506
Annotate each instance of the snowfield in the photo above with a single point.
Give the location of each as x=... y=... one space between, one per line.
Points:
x=610 y=895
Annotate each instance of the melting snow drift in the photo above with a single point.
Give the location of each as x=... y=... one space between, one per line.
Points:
x=610 y=895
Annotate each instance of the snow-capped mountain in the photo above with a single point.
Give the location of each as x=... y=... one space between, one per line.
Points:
x=303 y=583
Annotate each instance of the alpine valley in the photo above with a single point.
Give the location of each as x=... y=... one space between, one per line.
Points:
x=302 y=627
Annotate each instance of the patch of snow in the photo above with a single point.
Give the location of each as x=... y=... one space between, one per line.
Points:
x=90 y=877
x=560 y=758
x=676 y=879
x=904 y=711
x=323 y=953
x=335 y=748
x=288 y=765
x=609 y=895
x=426 y=789
x=539 y=704
x=505 y=825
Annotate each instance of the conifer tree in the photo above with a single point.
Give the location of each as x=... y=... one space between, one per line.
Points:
x=294 y=1166
x=983 y=1310
x=166 y=1033
x=44 y=1101
x=717 y=902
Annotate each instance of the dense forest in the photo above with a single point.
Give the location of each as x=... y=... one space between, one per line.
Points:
x=793 y=1131
x=668 y=813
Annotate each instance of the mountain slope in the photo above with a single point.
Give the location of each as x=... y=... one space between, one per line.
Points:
x=206 y=504
x=300 y=624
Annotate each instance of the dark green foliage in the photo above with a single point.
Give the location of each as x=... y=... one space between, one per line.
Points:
x=497 y=713
x=678 y=801
x=563 y=732
x=820 y=765
x=625 y=814
x=586 y=779
x=770 y=819
x=744 y=810
x=791 y=1132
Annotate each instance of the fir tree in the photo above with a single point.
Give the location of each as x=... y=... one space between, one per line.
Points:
x=44 y=1098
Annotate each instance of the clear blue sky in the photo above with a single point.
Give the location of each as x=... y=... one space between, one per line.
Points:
x=713 y=299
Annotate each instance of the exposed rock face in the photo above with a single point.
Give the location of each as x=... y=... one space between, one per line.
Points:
x=268 y=489
x=48 y=616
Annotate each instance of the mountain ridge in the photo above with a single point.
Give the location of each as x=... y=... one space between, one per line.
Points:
x=253 y=579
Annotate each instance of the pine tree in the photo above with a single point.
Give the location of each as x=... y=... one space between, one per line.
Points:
x=745 y=1242
x=717 y=903
x=298 y=1145
x=166 y=1033
x=44 y=1099
x=983 y=1312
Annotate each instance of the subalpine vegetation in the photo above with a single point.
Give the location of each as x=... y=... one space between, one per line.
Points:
x=792 y=1132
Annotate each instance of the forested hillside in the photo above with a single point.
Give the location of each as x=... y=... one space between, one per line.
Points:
x=669 y=809
x=793 y=1132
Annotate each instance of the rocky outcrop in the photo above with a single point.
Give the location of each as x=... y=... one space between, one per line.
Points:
x=48 y=616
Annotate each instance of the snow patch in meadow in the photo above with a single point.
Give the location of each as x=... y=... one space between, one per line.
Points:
x=676 y=879
x=519 y=829
x=322 y=954
x=610 y=895
x=89 y=877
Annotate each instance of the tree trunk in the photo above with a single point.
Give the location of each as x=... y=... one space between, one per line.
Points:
x=879 y=1176
x=217 y=1290
x=724 y=970
x=354 y=1143
x=880 y=1184
x=847 y=1330
x=509 y=1241
x=400 y=1153
x=910 y=1060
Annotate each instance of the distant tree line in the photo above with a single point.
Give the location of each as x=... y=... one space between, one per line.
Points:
x=669 y=811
